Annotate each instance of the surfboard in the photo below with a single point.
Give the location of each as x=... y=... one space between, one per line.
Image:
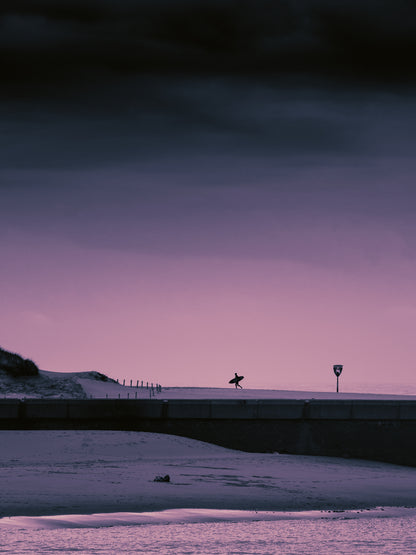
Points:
x=236 y=380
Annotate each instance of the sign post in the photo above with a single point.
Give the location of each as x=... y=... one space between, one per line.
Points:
x=337 y=371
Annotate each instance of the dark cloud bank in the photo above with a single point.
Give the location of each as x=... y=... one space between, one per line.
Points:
x=209 y=126
x=49 y=43
x=99 y=82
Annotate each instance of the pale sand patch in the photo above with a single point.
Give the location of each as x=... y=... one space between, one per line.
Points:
x=100 y=390
x=65 y=472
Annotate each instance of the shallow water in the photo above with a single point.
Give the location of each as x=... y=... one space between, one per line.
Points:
x=344 y=533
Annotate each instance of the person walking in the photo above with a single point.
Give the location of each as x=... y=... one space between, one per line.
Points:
x=236 y=380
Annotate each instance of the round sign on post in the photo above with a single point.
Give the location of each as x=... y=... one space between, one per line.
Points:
x=337 y=371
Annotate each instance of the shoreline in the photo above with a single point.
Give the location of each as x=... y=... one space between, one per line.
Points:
x=192 y=516
x=88 y=472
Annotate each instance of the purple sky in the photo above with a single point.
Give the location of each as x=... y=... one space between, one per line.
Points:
x=195 y=188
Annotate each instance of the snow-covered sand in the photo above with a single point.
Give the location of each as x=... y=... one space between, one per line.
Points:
x=66 y=472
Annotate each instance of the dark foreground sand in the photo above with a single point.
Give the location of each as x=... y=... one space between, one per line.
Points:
x=64 y=472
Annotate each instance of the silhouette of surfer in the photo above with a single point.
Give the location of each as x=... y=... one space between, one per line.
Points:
x=236 y=380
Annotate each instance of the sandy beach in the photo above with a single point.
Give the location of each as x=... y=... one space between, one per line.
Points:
x=51 y=472
x=68 y=472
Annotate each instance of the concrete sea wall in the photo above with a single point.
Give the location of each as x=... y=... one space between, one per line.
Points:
x=378 y=430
